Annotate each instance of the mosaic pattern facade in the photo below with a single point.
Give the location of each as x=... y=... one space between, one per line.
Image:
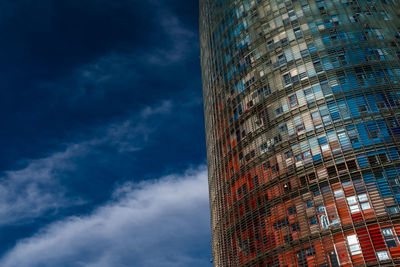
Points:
x=301 y=102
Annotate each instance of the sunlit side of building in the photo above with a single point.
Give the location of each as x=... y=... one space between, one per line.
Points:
x=301 y=102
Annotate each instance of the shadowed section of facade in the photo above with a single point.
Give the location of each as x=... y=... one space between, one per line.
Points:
x=301 y=102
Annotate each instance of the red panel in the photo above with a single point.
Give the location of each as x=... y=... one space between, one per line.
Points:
x=366 y=245
x=376 y=237
x=395 y=252
x=357 y=217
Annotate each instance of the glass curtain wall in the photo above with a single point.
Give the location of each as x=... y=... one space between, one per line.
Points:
x=301 y=102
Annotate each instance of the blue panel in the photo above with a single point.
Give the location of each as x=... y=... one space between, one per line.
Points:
x=372 y=103
x=333 y=109
x=322 y=140
x=383 y=130
x=317 y=157
x=369 y=178
x=384 y=187
x=362 y=161
x=363 y=134
x=353 y=107
x=394 y=154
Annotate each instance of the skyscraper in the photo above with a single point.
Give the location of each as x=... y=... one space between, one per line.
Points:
x=301 y=102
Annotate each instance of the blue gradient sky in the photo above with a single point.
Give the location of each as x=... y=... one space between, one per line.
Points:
x=102 y=138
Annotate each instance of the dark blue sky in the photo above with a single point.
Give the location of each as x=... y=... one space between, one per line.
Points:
x=102 y=138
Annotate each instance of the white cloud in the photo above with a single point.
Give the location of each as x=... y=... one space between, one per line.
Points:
x=160 y=223
x=32 y=191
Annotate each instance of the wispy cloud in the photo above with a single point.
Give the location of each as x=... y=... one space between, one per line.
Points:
x=124 y=72
x=160 y=223
x=180 y=41
x=164 y=107
x=36 y=189
x=96 y=80
x=132 y=133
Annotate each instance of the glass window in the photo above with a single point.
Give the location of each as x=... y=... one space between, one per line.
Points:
x=321 y=209
x=354 y=245
x=391 y=243
x=310 y=251
x=387 y=232
x=279 y=111
x=372 y=131
x=338 y=193
x=297 y=32
x=354 y=208
x=362 y=108
x=372 y=160
x=315 y=115
x=308 y=92
x=292 y=210
x=365 y=206
x=288 y=238
x=383 y=157
x=390 y=238
x=344 y=111
x=362 y=197
x=393 y=210
x=324 y=147
x=300 y=127
x=346 y=184
x=326 y=119
x=287 y=79
x=341 y=166
x=287 y=187
x=322 y=140
x=382 y=255
x=313 y=220
x=281 y=59
x=373 y=134
x=353 y=136
x=381 y=105
x=307 y=155
x=326 y=189
x=283 y=128
x=255 y=180
x=324 y=222
x=351 y=200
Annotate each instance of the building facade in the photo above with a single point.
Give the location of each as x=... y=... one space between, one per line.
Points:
x=301 y=102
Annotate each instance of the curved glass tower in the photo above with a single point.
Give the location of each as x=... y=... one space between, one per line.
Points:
x=301 y=102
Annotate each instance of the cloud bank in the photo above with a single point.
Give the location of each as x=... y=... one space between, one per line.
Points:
x=160 y=223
